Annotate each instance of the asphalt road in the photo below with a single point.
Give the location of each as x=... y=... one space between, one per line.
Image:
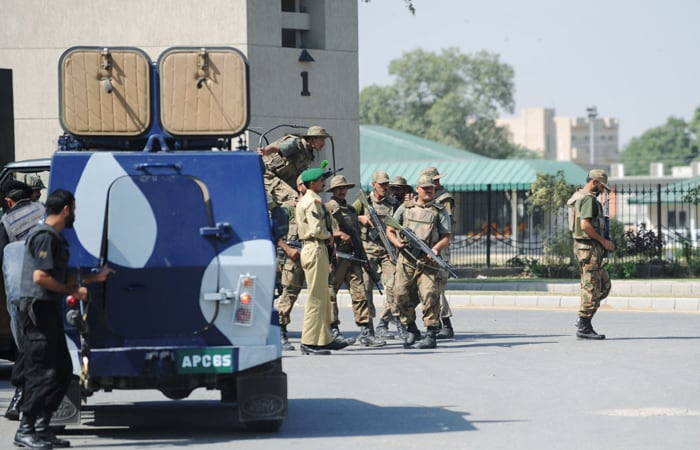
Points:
x=512 y=379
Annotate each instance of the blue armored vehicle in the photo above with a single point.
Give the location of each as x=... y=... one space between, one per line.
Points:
x=168 y=196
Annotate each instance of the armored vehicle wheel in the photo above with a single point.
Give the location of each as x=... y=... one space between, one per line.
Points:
x=264 y=426
x=176 y=394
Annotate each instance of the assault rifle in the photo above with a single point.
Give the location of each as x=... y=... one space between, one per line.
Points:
x=378 y=227
x=419 y=247
x=606 y=215
x=342 y=255
x=358 y=248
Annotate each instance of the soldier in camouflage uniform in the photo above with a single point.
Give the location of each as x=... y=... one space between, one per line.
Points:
x=384 y=205
x=447 y=200
x=292 y=278
x=431 y=223
x=345 y=270
x=400 y=189
x=587 y=223
x=285 y=159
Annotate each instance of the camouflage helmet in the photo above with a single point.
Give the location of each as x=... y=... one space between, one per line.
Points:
x=432 y=172
x=339 y=181
x=600 y=176
x=425 y=180
x=316 y=131
x=398 y=180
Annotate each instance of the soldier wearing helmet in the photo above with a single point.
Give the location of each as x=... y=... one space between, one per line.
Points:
x=286 y=158
x=346 y=233
x=447 y=200
x=416 y=272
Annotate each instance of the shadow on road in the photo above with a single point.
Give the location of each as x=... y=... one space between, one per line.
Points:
x=211 y=421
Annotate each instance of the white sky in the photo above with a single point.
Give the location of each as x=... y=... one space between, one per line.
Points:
x=638 y=61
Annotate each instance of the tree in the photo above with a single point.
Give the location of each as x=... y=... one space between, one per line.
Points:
x=676 y=143
x=450 y=97
x=409 y=5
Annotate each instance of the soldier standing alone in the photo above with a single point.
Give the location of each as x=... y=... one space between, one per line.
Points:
x=587 y=224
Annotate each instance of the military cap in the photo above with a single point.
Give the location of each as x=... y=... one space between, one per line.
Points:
x=600 y=176
x=316 y=130
x=432 y=172
x=380 y=176
x=398 y=181
x=425 y=181
x=314 y=174
x=339 y=181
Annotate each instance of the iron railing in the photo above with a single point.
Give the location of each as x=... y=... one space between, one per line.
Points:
x=650 y=223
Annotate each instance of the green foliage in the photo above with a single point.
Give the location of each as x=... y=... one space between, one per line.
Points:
x=692 y=196
x=549 y=192
x=449 y=97
x=408 y=3
x=643 y=242
x=623 y=270
x=675 y=144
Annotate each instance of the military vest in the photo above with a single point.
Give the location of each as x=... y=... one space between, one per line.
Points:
x=288 y=165
x=574 y=212
x=350 y=215
x=423 y=220
x=22 y=218
x=383 y=208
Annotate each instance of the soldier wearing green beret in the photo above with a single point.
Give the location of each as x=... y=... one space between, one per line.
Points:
x=314 y=232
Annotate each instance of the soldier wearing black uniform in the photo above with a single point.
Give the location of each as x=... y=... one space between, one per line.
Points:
x=21 y=216
x=47 y=364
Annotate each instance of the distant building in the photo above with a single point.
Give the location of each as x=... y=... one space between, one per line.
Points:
x=564 y=138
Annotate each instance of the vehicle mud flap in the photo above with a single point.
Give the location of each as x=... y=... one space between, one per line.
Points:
x=262 y=397
x=68 y=412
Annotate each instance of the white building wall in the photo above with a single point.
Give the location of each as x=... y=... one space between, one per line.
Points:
x=564 y=138
x=34 y=33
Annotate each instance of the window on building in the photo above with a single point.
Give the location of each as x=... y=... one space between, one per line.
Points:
x=289 y=5
x=290 y=38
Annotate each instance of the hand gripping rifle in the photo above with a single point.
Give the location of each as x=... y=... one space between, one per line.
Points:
x=378 y=227
x=359 y=253
x=419 y=247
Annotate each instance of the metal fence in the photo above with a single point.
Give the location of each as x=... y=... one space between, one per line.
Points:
x=649 y=224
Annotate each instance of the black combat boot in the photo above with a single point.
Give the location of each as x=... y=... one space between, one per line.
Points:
x=338 y=337
x=43 y=430
x=412 y=335
x=26 y=434
x=429 y=341
x=586 y=331
x=383 y=330
x=446 y=331
x=400 y=328
x=285 y=340
x=12 y=412
x=368 y=338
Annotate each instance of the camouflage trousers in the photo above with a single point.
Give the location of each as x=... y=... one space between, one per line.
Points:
x=428 y=282
x=595 y=280
x=382 y=265
x=292 y=281
x=279 y=192
x=351 y=274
